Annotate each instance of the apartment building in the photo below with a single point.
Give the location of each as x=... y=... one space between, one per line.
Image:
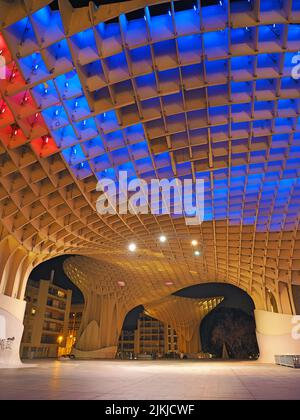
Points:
x=75 y=317
x=46 y=319
x=152 y=337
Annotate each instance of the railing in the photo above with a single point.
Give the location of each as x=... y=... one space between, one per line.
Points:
x=288 y=360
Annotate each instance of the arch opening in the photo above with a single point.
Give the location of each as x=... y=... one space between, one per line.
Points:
x=155 y=331
x=53 y=314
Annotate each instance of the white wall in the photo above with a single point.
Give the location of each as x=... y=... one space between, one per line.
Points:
x=11 y=326
x=274 y=335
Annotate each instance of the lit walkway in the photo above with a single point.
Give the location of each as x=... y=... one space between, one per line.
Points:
x=150 y=380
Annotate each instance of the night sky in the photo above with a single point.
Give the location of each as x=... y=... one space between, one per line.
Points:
x=43 y=272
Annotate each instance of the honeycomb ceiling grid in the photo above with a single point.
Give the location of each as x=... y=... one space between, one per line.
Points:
x=258 y=138
x=181 y=312
x=136 y=285
x=64 y=224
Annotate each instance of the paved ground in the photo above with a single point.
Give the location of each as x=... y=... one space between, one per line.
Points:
x=146 y=380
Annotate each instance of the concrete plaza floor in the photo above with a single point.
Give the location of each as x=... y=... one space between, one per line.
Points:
x=146 y=380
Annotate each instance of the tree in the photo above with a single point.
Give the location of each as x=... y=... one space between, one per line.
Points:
x=234 y=328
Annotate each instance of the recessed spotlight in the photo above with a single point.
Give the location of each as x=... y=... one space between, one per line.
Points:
x=197 y=253
x=169 y=283
x=121 y=283
x=194 y=242
x=132 y=247
x=162 y=238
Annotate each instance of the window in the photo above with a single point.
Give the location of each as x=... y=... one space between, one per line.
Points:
x=61 y=294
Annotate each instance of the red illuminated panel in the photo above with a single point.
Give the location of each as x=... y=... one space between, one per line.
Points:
x=35 y=124
x=44 y=146
x=23 y=104
x=12 y=136
x=4 y=51
x=20 y=119
x=14 y=80
x=6 y=116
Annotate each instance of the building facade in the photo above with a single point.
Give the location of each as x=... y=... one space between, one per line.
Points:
x=127 y=346
x=75 y=317
x=46 y=319
x=151 y=338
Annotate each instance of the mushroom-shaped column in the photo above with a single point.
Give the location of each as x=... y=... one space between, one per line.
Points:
x=104 y=310
x=185 y=316
x=112 y=288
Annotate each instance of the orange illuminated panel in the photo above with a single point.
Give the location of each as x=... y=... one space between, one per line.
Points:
x=12 y=136
x=6 y=116
x=44 y=146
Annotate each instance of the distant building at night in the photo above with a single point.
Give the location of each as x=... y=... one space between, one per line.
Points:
x=126 y=348
x=75 y=317
x=152 y=337
x=46 y=319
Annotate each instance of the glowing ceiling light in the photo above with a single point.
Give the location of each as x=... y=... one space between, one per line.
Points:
x=169 y=283
x=132 y=247
x=121 y=283
x=194 y=242
x=162 y=238
x=197 y=253
x=35 y=68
